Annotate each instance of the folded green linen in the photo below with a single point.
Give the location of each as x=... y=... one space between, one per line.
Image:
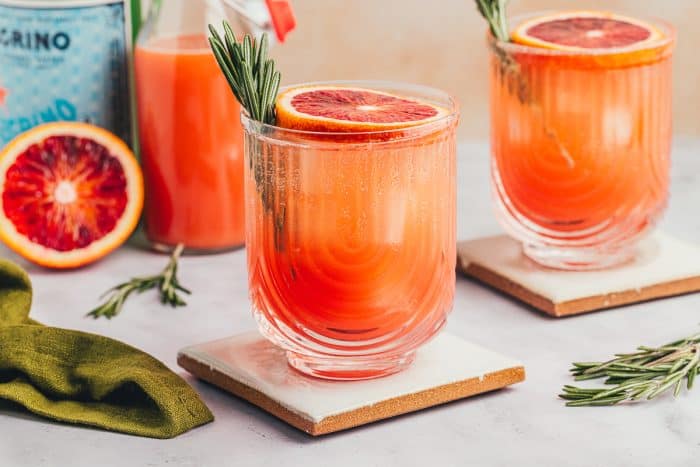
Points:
x=82 y=378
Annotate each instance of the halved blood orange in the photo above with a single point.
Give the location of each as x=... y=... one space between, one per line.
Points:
x=70 y=194
x=327 y=108
x=585 y=30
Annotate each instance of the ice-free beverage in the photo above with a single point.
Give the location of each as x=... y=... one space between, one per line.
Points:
x=581 y=142
x=351 y=242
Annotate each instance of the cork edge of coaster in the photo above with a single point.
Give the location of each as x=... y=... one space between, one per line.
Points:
x=388 y=408
x=579 y=305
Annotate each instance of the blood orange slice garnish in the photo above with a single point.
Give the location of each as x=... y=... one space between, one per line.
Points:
x=70 y=194
x=345 y=109
x=586 y=31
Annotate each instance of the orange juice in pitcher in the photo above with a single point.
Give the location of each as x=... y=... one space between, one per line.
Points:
x=189 y=125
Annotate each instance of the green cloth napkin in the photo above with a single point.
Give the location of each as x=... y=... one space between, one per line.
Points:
x=82 y=378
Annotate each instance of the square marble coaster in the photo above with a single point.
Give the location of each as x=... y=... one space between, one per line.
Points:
x=446 y=369
x=664 y=267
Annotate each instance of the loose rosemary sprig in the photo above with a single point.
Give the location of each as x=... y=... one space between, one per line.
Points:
x=166 y=282
x=644 y=374
x=250 y=74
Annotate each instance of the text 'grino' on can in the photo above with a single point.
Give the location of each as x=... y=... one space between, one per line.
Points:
x=65 y=60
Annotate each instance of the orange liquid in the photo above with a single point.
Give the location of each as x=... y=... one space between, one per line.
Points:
x=585 y=156
x=353 y=248
x=191 y=146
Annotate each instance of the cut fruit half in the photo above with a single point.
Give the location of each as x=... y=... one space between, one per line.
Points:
x=70 y=194
x=586 y=31
x=327 y=108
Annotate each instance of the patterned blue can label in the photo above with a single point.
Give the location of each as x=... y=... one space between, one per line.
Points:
x=64 y=60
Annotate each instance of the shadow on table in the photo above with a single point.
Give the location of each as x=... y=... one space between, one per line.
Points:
x=14 y=410
x=293 y=434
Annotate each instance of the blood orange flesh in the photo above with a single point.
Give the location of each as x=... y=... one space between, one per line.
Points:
x=340 y=109
x=585 y=30
x=65 y=192
x=361 y=106
x=590 y=33
x=71 y=193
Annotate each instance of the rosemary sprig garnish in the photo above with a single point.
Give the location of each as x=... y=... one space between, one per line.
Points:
x=644 y=374
x=250 y=74
x=255 y=82
x=495 y=13
x=166 y=282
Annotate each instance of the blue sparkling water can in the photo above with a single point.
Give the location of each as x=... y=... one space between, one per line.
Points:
x=65 y=60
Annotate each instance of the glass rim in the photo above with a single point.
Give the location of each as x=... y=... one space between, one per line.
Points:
x=374 y=137
x=669 y=39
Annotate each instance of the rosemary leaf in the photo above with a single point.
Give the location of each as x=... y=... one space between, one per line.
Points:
x=274 y=89
x=248 y=52
x=266 y=87
x=596 y=403
x=231 y=43
x=691 y=379
x=679 y=386
x=252 y=97
x=261 y=58
x=227 y=68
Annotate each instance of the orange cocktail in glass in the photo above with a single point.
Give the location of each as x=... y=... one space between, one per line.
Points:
x=581 y=135
x=351 y=238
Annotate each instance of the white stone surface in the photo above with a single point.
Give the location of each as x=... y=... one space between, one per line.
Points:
x=524 y=426
x=660 y=259
x=258 y=364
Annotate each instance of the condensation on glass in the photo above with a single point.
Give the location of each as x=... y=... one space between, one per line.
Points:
x=351 y=240
x=580 y=149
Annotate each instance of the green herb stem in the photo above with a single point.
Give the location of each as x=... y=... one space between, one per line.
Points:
x=249 y=72
x=255 y=82
x=166 y=283
x=644 y=374
x=494 y=11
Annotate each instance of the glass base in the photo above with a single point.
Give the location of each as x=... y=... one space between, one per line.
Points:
x=345 y=368
x=578 y=259
x=165 y=248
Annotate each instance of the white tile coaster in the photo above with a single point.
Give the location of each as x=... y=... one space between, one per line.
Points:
x=446 y=369
x=665 y=266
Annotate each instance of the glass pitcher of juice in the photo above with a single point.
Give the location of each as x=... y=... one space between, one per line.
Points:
x=189 y=125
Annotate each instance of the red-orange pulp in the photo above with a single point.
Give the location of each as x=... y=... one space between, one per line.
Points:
x=590 y=33
x=65 y=192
